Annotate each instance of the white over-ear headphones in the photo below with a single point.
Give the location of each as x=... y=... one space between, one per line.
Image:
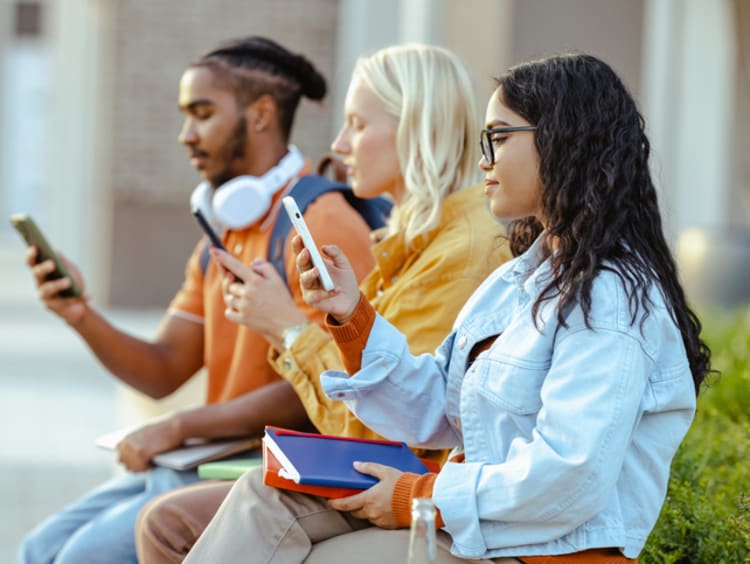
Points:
x=243 y=200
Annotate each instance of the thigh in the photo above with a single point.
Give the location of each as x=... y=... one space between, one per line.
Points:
x=195 y=504
x=376 y=546
x=267 y=524
x=169 y=525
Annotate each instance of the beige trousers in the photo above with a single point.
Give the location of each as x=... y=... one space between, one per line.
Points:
x=259 y=524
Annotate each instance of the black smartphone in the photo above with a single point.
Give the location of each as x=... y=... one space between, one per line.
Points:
x=208 y=230
x=34 y=237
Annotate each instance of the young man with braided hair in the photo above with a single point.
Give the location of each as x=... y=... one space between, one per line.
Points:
x=239 y=103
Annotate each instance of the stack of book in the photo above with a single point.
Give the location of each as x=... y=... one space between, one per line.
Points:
x=323 y=464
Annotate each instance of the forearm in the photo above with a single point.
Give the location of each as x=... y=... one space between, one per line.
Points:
x=273 y=404
x=141 y=364
x=351 y=336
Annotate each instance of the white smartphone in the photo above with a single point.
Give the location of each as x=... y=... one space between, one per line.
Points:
x=299 y=224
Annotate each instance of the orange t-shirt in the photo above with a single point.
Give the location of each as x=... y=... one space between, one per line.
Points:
x=236 y=356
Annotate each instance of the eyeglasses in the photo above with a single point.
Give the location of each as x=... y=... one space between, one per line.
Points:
x=485 y=139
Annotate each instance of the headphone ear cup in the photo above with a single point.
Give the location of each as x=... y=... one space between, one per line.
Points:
x=241 y=202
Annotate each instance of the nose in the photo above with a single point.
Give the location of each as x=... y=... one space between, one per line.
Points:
x=484 y=164
x=340 y=144
x=187 y=135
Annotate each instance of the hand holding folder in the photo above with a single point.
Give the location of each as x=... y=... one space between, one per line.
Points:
x=323 y=464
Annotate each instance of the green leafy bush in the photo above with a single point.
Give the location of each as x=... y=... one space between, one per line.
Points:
x=706 y=516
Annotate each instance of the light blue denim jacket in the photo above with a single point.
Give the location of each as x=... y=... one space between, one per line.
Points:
x=568 y=432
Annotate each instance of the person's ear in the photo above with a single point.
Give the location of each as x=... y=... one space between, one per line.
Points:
x=261 y=114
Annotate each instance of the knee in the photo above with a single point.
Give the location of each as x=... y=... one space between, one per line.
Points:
x=42 y=544
x=161 y=531
x=31 y=551
x=153 y=519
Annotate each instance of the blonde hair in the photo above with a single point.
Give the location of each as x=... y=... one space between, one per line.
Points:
x=429 y=90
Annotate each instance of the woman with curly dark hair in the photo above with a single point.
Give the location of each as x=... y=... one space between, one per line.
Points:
x=567 y=384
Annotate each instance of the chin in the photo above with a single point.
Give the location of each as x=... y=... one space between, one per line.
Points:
x=498 y=212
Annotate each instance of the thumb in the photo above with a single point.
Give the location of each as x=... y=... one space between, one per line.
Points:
x=371 y=469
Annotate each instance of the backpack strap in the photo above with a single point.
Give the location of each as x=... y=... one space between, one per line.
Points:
x=205 y=256
x=374 y=211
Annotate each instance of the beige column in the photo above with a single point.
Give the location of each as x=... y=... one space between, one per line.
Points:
x=80 y=191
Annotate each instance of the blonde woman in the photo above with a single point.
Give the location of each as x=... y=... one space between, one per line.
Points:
x=409 y=132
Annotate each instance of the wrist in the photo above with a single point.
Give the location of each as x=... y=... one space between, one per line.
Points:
x=78 y=321
x=344 y=318
x=177 y=427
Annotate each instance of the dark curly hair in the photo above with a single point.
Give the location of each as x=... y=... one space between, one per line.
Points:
x=255 y=66
x=598 y=200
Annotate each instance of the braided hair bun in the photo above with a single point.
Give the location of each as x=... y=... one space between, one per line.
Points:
x=266 y=55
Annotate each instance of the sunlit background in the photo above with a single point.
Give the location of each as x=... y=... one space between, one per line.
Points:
x=88 y=146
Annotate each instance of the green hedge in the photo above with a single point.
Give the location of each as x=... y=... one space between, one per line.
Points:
x=706 y=516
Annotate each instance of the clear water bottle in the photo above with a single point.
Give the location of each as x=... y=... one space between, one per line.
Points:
x=422 y=544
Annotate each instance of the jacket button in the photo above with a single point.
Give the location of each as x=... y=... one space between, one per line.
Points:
x=462 y=341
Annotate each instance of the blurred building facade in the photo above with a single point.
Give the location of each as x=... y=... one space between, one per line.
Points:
x=89 y=120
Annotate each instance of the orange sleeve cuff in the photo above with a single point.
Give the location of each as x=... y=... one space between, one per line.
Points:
x=408 y=487
x=351 y=337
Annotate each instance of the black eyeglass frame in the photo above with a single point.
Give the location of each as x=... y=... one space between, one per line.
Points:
x=485 y=139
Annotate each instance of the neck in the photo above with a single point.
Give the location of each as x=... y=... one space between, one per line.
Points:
x=265 y=156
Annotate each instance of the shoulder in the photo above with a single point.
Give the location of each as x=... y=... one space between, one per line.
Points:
x=332 y=206
x=649 y=321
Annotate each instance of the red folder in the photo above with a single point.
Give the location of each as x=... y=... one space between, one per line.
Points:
x=322 y=464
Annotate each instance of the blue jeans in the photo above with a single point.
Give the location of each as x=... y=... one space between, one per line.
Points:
x=99 y=528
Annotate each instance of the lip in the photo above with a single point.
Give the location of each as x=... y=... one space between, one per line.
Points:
x=198 y=162
x=489 y=186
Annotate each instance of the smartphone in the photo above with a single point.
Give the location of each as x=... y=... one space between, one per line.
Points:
x=212 y=236
x=299 y=224
x=34 y=237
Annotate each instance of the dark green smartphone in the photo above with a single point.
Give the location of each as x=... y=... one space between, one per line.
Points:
x=33 y=237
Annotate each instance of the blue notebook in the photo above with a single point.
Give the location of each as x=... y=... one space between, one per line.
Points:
x=325 y=460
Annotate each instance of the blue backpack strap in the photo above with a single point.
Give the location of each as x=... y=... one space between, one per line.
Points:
x=205 y=256
x=374 y=211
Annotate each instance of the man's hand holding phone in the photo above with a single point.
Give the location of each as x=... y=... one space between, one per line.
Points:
x=59 y=284
x=71 y=309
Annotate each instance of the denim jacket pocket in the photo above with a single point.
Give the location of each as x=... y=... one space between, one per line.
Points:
x=512 y=386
